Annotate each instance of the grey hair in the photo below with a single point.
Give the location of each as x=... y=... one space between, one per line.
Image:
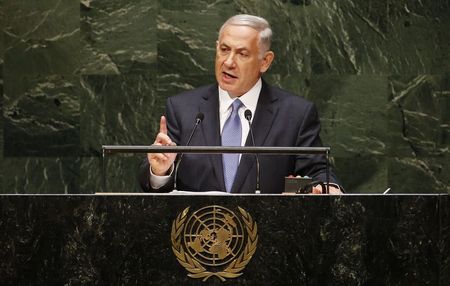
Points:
x=258 y=23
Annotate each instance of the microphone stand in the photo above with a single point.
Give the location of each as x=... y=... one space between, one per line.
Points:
x=248 y=116
x=198 y=120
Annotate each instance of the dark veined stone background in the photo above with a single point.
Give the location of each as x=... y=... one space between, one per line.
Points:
x=79 y=74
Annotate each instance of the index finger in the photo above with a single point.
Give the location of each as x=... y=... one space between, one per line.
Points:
x=163 y=125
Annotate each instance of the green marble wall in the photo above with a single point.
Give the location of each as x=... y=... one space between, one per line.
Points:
x=79 y=74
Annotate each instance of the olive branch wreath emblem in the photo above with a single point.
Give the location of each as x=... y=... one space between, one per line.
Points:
x=196 y=269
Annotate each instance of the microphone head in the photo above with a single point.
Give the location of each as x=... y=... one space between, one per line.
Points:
x=248 y=114
x=199 y=117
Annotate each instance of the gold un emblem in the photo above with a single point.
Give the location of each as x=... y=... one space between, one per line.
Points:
x=214 y=241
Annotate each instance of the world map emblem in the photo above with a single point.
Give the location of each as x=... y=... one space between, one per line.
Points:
x=214 y=241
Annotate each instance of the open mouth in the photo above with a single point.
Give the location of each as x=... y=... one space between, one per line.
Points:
x=228 y=75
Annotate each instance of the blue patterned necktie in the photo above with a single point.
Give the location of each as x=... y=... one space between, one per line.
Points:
x=231 y=136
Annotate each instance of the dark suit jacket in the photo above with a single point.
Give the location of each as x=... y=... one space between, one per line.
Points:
x=280 y=119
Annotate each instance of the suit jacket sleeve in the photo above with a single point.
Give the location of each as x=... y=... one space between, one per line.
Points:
x=313 y=166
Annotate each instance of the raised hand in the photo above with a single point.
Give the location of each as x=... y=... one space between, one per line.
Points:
x=160 y=163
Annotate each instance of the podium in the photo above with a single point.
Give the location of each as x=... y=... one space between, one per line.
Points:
x=286 y=240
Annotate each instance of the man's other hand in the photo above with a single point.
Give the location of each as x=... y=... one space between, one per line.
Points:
x=332 y=189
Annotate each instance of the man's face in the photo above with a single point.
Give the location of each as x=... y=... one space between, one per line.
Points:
x=238 y=61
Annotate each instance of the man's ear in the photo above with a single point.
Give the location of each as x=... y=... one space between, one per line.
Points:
x=267 y=61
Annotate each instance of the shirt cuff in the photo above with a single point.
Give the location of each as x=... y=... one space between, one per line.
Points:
x=336 y=186
x=157 y=182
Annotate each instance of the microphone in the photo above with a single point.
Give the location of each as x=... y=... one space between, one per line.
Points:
x=198 y=120
x=248 y=116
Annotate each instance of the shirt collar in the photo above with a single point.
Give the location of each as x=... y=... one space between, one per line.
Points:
x=249 y=99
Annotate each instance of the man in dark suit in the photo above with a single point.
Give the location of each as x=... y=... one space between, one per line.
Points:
x=280 y=119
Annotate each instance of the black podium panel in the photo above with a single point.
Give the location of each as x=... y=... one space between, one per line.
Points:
x=298 y=240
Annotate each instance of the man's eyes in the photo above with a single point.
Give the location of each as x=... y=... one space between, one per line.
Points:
x=227 y=50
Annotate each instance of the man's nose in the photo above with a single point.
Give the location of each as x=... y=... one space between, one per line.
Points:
x=229 y=61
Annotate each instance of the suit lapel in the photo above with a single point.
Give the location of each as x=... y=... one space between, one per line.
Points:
x=211 y=129
x=262 y=123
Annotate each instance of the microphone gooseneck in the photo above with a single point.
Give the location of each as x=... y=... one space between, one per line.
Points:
x=248 y=116
x=198 y=120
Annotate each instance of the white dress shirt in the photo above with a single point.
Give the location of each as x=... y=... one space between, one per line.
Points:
x=249 y=101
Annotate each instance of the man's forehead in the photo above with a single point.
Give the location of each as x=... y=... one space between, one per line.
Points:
x=238 y=36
